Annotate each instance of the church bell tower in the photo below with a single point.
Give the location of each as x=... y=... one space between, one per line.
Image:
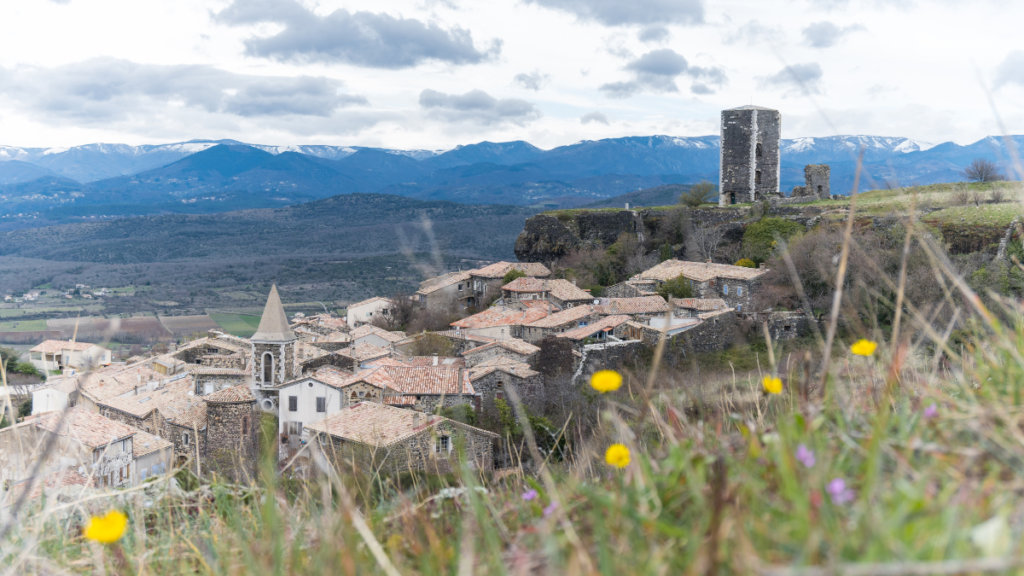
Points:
x=273 y=346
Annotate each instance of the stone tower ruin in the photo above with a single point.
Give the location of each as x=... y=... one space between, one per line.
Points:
x=816 y=183
x=750 y=155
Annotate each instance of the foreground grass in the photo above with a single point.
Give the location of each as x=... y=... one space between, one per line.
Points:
x=931 y=461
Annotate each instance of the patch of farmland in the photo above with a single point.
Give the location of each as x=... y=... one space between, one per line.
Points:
x=242 y=325
x=186 y=325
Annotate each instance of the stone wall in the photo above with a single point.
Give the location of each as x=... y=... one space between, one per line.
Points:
x=711 y=335
x=343 y=362
x=359 y=392
x=236 y=361
x=218 y=382
x=232 y=439
x=493 y=386
x=428 y=403
x=785 y=325
x=175 y=435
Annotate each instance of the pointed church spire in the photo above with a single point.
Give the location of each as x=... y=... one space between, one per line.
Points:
x=274 y=323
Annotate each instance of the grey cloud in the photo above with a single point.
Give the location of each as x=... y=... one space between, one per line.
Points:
x=105 y=90
x=618 y=12
x=754 y=32
x=594 y=117
x=796 y=79
x=654 y=34
x=1011 y=70
x=477 y=107
x=656 y=71
x=532 y=81
x=702 y=89
x=359 y=38
x=825 y=34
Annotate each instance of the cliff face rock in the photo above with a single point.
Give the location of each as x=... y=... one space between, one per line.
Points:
x=545 y=238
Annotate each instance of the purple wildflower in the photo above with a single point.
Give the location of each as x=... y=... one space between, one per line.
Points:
x=931 y=411
x=839 y=492
x=805 y=456
x=550 y=508
x=529 y=494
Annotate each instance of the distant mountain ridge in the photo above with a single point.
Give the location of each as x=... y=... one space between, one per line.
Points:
x=39 y=186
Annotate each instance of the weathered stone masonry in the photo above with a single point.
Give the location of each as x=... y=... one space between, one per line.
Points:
x=750 y=155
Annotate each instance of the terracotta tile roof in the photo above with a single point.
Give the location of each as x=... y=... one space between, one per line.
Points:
x=321 y=320
x=493 y=317
x=400 y=400
x=432 y=380
x=145 y=443
x=370 y=301
x=52 y=482
x=638 y=305
x=699 y=271
x=561 y=289
x=464 y=336
x=704 y=304
x=587 y=331
x=547 y=305
x=211 y=371
x=65 y=384
x=707 y=315
x=363 y=351
x=54 y=346
x=89 y=428
x=564 y=317
x=429 y=361
x=333 y=376
x=368 y=329
x=141 y=404
x=337 y=337
x=509 y=366
x=194 y=416
x=499 y=269
x=232 y=395
x=443 y=281
x=514 y=344
x=381 y=425
x=385 y=361
x=101 y=386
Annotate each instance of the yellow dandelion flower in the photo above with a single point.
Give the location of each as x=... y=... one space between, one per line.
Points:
x=772 y=385
x=107 y=529
x=617 y=455
x=606 y=381
x=864 y=347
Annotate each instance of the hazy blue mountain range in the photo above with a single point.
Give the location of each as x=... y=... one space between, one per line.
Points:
x=39 y=186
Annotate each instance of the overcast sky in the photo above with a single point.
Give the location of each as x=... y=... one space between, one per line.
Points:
x=437 y=73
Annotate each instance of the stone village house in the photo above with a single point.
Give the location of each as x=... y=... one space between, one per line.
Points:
x=375 y=438
x=218 y=433
x=734 y=284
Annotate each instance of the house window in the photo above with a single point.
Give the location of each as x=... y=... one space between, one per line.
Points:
x=184 y=439
x=460 y=287
x=739 y=290
x=758 y=151
x=757 y=177
x=443 y=445
x=293 y=403
x=725 y=290
x=361 y=394
x=321 y=404
x=245 y=426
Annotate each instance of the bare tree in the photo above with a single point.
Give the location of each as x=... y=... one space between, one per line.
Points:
x=998 y=196
x=981 y=170
x=961 y=195
x=705 y=240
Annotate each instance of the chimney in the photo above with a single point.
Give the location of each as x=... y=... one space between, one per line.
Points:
x=416 y=419
x=761 y=265
x=627 y=205
x=435 y=359
x=709 y=260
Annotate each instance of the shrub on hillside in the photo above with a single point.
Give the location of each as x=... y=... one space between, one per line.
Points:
x=759 y=240
x=746 y=263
